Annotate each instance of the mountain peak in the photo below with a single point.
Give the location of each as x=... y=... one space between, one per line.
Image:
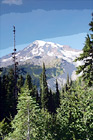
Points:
x=42 y=43
x=45 y=50
x=59 y=59
x=39 y=42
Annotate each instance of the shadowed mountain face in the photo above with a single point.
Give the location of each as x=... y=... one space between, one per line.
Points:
x=58 y=58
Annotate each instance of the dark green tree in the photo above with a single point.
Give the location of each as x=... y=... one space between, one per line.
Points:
x=68 y=80
x=30 y=86
x=5 y=128
x=57 y=96
x=30 y=123
x=44 y=89
x=11 y=99
x=51 y=102
x=8 y=102
x=3 y=100
x=67 y=85
x=75 y=114
x=20 y=83
x=28 y=82
x=87 y=58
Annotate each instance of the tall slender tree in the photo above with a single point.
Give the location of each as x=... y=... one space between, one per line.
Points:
x=8 y=101
x=20 y=82
x=3 y=97
x=57 y=96
x=30 y=123
x=28 y=82
x=24 y=123
x=87 y=58
x=75 y=113
x=44 y=89
x=51 y=103
x=11 y=100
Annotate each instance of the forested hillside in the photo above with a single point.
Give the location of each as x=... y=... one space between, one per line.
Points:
x=27 y=113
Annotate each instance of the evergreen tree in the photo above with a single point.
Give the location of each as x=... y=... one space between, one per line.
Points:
x=8 y=102
x=87 y=58
x=68 y=81
x=28 y=82
x=30 y=86
x=67 y=85
x=51 y=102
x=23 y=124
x=37 y=97
x=74 y=115
x=3 y=97
x=5 y=128
x=30 y=123
x=44 y=89
x=7 y=97
x=57 y=96
x=20 y=82
x=11 y=99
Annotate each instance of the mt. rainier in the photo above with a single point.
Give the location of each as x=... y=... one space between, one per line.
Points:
x=40 y=50
x=56 y=56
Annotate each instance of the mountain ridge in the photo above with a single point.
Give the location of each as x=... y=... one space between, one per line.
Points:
x=60 y=58
x=64 y=40
x=42 y=49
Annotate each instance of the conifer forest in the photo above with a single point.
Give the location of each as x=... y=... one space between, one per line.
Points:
x=29 y=113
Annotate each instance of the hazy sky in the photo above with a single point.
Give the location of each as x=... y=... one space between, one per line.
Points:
x=61 y=21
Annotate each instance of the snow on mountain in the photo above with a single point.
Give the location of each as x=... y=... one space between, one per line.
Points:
x=54 y=55
x=42 y=48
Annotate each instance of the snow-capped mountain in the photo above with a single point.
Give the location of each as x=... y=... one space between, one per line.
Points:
x=54 y=55
x=42 y=51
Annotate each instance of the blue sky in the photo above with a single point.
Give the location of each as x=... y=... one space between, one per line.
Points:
x=61 y=21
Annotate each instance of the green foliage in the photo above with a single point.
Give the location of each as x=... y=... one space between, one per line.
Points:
x=48 y=115
x=7 y=99
x=20 y=82
x=4 y=129
x=74 y=117
x=35 y=71
x=30 y=122
x=28 y=82
x=44 y=89
x=87 y=58
x=48 y=100
x=51 y=102
x=57 y=97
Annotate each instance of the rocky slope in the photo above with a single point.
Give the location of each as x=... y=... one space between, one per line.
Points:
x=53 y=55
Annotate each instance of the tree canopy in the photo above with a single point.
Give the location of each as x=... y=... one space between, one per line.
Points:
x=87 y=58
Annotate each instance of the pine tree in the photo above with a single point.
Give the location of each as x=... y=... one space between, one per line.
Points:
x=51 y=103
x=11 y=82
x=28 y=82
x=24 y=122
x=11 y=99
x=67 y=85
x=20 y=82
x=57 y=96
x=8 y=102
x=30 y=123
x=3 y=97
x=4 y=129
x=75 y=114
x=44 y=89
x=68 y=81
x=87 y=58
